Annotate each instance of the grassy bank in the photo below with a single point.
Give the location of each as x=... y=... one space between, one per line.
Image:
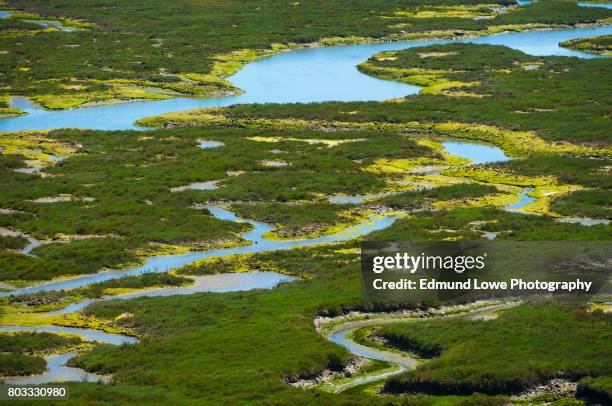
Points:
x=519 y=92
x=276 y=322
x=595 y=45
x=596 y=390
x=111 y=202
x=42 y=301
x=477 y=356
x=120 y=58
x=20 y=353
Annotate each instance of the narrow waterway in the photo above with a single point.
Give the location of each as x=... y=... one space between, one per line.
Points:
x=525 y=200
x=32 y=242
x=58 y=371
x=342 y=335
x=217 y=283
x=256 y=243
x=596 y=5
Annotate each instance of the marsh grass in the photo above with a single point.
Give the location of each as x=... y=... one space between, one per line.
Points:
x=475 y=356
x=117 y=47
x=20 y=353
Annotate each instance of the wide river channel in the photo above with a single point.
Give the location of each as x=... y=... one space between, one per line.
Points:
x=305 y=75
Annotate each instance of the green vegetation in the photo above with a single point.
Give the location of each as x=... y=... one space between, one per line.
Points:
x=191 y=327
x=6 y=110
x=20 y=352
x=189 y=47
x=596 y=45
x=202 y=321
x=524 y=104
x=133 y=282
x=21 y=364
x=234 y=263
x=586 y=203
x=596 y=390
x=526 y=101
x=98 y=290
x=120 y=196
x=371 y=368
x=13 y=243
x=415 y=200
x=304 y=220
x=127 y=210
x=35 y=342
x=471 y=223
x=122 y=207
x=73 y=258
x=478 y=356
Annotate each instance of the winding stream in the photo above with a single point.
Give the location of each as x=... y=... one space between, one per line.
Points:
x=525 y=200
x=228 y=282
x=32 y=242
x=342 y=333
x=324 y=74
x=165 y=263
